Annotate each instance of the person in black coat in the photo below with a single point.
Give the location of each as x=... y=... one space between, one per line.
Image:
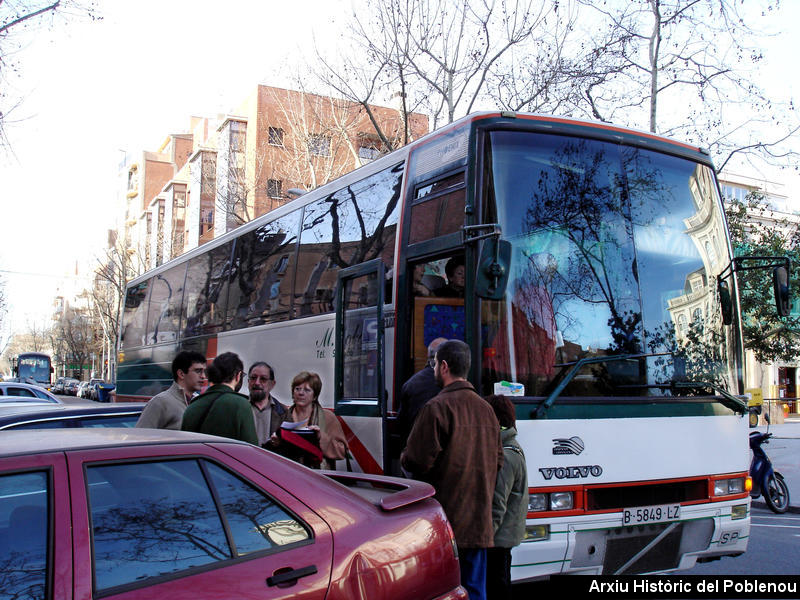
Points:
x=419 y=388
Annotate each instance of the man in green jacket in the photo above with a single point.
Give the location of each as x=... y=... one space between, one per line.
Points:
x=221 y=410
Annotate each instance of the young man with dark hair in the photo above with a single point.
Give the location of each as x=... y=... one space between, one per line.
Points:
x=455 y=446
x=165 y=410
x=268 y=413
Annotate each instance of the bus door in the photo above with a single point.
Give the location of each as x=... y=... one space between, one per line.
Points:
x=360 y=387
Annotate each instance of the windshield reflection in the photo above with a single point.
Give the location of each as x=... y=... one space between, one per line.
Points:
x=616 y=251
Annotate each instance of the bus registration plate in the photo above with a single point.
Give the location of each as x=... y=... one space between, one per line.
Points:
x=651 y=514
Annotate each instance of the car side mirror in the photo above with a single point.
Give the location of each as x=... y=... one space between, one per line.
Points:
x=780 y=283
x=493 y=269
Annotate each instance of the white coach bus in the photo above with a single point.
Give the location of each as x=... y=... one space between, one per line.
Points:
x=600 y=292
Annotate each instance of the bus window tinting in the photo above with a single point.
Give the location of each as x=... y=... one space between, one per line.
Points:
x=207 y=291
x=351 y=226
x=263 y=273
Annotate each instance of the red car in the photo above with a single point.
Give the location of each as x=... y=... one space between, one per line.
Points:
x=113 y=513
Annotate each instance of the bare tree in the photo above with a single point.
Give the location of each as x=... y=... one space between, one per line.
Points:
x=18 y=18
x=77 y=332
x=119 y=264
x=680 y=68
x=435 y=55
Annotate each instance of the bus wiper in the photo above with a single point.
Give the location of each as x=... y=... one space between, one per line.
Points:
x=576 y=367
x=728 y=399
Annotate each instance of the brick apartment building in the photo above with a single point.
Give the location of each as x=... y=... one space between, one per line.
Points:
x=231 y=169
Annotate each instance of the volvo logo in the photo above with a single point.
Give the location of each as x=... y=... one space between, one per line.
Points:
x=571 y=472
x=573 y=445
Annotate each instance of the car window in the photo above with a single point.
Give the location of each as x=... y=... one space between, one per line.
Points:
x=23 y=535
x=20 y=391
x=156 y=518
x=256 y=522
x=151 y=519
x=109 y=421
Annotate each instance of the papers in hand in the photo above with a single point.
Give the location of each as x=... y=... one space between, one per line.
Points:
x=299 y=426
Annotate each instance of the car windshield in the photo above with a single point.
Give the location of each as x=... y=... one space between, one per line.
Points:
x=616 y=250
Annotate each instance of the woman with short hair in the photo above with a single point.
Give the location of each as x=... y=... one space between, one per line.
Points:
x=327 y=431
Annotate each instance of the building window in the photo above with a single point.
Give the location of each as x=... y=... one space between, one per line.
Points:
x=274 y=188
x=275 y=136
x=367 y=154
x=319 y=145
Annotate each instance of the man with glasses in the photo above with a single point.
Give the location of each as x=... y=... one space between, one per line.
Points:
x=268 y=413
x=165 y=410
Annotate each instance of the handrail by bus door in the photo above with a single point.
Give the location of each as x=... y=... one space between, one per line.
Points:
x=359 y=345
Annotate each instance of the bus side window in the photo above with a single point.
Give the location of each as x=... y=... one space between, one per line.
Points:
x=438 y=208
x=353 y=225
x=261 y=288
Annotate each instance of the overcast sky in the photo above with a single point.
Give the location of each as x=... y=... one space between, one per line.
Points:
x=95 y=89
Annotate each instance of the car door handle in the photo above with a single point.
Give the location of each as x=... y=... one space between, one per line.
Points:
x=281 y=577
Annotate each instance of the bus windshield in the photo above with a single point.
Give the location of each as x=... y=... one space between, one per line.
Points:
x=616 y=250
x=33 y=368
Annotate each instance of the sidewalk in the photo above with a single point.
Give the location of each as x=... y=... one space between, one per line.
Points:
x=783 y=450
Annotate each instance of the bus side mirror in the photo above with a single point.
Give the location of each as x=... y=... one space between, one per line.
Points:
x=780 y=283
x=725 y=302
x=493 y=269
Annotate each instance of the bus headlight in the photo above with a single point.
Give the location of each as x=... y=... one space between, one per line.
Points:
x=561 y=501
x=552 y=501
x=537 y=502
x=726 y=487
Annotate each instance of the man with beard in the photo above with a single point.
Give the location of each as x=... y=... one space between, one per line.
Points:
x=268 y=413
x=221 y=410
x=455 y=446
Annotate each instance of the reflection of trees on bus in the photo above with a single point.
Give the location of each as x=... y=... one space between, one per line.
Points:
x=605 y=238
x=264 y=275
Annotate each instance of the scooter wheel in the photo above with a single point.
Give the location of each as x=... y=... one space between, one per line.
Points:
x=776 y=494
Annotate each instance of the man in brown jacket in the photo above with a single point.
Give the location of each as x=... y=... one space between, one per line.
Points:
x=455 y=446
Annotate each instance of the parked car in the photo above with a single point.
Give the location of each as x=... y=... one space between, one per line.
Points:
x=71 y=387
x=83 y=390
x=147 y=513
x=47 y=416
x=58 y=386
x=21 y=391
x=92 y=393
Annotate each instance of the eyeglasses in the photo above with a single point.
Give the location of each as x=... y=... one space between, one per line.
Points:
x=258 y=378
x=198 y=371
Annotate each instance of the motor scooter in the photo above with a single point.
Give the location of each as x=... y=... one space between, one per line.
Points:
x=766 y=480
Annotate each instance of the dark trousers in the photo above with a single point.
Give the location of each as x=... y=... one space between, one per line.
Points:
x=498 y=574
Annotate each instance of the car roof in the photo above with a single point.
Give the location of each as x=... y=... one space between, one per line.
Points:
x=45 y=409
x=30 y=441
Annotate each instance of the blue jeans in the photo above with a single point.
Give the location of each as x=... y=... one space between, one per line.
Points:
x=473 y=571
